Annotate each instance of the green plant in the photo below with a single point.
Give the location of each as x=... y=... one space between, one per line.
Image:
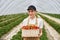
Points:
x=54 y=24
x=8 y=27
x=53 y=15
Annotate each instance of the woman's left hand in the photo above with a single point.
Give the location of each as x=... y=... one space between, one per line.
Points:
x=40 y=34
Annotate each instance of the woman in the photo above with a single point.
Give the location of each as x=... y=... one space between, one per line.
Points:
x=32 y=19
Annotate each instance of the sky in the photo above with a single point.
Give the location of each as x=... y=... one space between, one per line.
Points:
x=18 y=6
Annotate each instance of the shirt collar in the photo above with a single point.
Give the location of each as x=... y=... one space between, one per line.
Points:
x=30 y=18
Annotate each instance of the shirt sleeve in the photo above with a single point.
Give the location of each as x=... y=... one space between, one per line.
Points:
x=24 y=22
x=41 y=24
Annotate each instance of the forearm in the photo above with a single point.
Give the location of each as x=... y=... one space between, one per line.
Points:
x=40 y=32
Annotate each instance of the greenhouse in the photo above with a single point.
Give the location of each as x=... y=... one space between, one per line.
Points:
x=13 y=13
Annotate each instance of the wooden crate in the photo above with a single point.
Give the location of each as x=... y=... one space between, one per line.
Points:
x=31 y=38
x=30 y=33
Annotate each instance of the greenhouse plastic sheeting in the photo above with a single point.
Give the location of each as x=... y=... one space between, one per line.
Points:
x=18 y=6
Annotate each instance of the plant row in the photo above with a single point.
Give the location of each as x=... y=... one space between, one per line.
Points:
x=11 y=25
x=54 y=24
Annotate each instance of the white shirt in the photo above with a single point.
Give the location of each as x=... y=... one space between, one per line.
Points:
x=33 y=21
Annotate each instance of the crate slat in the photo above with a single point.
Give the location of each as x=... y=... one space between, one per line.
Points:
x=30 y=33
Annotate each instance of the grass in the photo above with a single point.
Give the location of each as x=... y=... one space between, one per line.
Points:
x=54 y=24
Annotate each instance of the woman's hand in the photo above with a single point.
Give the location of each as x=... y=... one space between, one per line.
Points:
x=40 y=33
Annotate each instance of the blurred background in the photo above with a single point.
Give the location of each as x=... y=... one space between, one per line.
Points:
x=13 y=12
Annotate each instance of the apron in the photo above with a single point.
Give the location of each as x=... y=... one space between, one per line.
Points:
x=36 y=23
x=31 y=38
